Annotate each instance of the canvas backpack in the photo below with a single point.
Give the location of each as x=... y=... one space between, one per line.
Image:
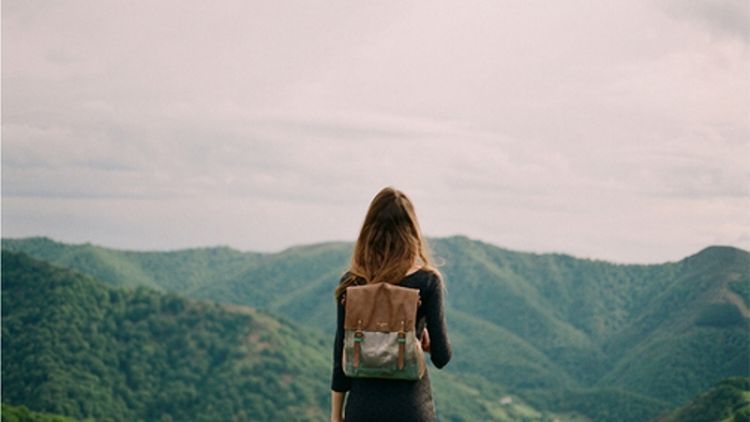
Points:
x=379 y=332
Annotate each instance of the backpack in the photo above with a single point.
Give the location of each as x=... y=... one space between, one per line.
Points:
x=379 y=337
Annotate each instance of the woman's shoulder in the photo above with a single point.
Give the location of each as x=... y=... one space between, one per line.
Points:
x=430 y=274
x=424 y=278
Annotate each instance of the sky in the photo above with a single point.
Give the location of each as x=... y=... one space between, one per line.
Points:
x=607 y=130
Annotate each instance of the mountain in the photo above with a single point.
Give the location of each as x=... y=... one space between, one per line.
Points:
x=727 y=401
x=77 y=347
x=610 y=341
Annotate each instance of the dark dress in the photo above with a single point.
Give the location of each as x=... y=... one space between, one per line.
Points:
x=372 y=399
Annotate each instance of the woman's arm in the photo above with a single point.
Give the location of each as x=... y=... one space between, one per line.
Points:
x=340 y=383
x=439 y=343
x=337 y=405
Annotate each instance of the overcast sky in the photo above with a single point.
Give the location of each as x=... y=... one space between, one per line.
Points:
x=615 y=130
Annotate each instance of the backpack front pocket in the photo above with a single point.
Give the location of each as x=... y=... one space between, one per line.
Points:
x=382 y=355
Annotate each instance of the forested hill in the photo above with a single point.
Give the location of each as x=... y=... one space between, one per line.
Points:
x=75 y=347
x=610 y=341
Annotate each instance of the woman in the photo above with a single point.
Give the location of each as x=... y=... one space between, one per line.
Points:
x=390 y=249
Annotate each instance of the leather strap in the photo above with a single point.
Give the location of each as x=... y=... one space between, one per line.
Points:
x=359 y=337
x=401 y=346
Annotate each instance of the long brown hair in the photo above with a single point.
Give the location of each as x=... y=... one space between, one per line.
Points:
x=389 y=243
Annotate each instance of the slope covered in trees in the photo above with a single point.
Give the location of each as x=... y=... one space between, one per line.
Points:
x=75 y=347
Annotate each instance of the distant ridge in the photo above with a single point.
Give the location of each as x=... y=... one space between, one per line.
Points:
x=10 y=242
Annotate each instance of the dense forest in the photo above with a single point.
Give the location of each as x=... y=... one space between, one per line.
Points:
x=564 y=337
x=75 y=347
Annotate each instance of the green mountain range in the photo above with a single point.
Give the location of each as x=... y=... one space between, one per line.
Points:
x=563 y=335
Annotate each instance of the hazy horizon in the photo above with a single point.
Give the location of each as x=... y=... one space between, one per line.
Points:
x=324 y=242
x=616 y=131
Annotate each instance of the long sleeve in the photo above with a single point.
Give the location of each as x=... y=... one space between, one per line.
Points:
x=339 y=381
x=440 y=345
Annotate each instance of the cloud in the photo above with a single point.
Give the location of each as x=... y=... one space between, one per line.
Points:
x=603 y=129
x=727 y=18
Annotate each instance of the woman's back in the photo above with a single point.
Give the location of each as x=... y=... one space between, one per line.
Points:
x=390 y=245
x=398 y=400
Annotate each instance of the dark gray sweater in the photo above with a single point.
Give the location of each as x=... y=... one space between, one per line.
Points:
x=372 y=399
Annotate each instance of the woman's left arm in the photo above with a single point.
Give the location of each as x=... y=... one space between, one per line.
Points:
x=340 y=383
x=337 y=405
